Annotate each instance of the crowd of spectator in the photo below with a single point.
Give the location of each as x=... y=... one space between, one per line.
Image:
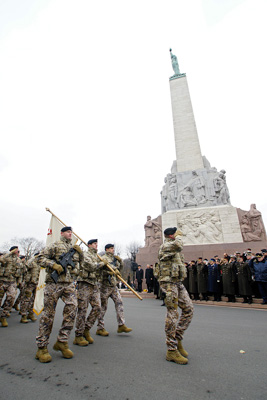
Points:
x=236 y=275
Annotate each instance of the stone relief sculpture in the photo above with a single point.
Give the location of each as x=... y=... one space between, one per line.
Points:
x=251 y=224
x=201 y=227
x=193 y=189
x=153 y=231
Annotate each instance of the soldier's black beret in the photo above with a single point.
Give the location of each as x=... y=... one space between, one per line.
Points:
x=13 y=248
x=212 y=259
x=108 y=246
x=170 y=231
x=92 y=241
x=264 y=251
x=258 y=255
x=66 y=228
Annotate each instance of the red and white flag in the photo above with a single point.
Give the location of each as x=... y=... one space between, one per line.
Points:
x=52 y=236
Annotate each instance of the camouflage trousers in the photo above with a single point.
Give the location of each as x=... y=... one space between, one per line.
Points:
x=176 y=296
x=27 y=301
x=87 y=294
x=21 y=293
x=10 y=289
x=67 y=292
x=114 y=294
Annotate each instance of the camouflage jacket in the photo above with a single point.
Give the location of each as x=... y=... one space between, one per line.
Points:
x=50 y=256
x=107 y=278
x=89 y=268
x=33 y=269
x=171 y=265
x=11 y=268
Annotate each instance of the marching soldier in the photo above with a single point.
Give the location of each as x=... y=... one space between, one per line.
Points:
x=21 y=283
x=108 y=288
x=171 y=274
x=9 y=277
x=64 y=288
x=31 y=282
x=88 y=292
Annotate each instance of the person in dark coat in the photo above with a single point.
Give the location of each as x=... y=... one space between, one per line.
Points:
x=192 y=277
x=186 y=280
x=259 y=271
x=139 y=278
x=214 y=279
x=229 y=278
x=202 y=278
x=244 y=278
x=149 y=278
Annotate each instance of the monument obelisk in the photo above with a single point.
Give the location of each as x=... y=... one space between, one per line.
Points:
x=185 y=131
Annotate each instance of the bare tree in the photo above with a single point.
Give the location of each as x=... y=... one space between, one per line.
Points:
x=132 y=250
x=28 y=246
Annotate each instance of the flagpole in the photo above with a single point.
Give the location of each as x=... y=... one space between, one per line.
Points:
x=100 y=258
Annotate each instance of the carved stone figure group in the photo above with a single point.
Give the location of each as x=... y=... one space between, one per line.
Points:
x=201 y=188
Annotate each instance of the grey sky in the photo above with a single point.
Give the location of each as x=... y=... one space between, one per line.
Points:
x=85 y=112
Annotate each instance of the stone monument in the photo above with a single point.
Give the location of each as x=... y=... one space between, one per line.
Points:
x=153 y=239
x=195 y=197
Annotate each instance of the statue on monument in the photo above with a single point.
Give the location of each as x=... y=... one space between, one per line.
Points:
x=221 y=189
x=164 y=196
x=197 y=187
x=172 y=193
x=186 y=198
x=175 y=65
x=152 y=231
x=251 y=224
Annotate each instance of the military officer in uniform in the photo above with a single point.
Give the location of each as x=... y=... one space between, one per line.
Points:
x=244 y=278
x=171 y=274
x=64 y=288
x=202 y=278
x=88 y=292
x=108 y=288
x=229 y=278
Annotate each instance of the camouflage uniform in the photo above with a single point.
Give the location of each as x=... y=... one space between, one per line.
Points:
x=31 y=282
x=65 y=289
x=10 y=276
x=88 y=292
x=108 y=288
x=21 y=282
x=171 y=273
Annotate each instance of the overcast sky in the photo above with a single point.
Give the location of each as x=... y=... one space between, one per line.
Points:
x=85 y=110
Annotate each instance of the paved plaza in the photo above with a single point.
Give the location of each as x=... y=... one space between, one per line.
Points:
x=133 y=366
